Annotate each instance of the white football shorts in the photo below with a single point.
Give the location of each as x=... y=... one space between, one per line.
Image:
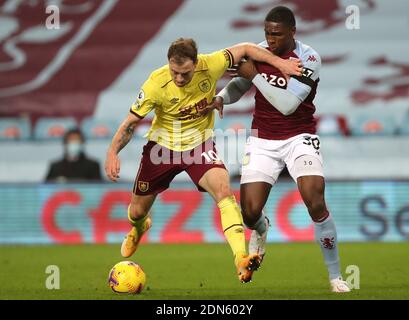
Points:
x=265 y=159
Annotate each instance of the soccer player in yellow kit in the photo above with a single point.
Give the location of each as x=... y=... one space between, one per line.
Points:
x=180 y=139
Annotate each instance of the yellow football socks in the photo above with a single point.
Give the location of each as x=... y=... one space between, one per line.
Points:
x=137 y=223
x=232 y=223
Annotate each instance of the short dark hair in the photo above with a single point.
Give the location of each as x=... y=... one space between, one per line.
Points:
x=282 y=15
x=72 y=131
x=181 y=49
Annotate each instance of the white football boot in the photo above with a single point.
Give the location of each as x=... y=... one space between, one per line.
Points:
x=257 y=243
x=339 y=285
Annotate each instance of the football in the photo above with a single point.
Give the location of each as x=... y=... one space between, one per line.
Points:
x=127 y=277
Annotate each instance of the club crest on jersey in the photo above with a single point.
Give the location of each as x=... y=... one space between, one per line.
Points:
x=204 y=85
x=328 y=243
x=143 y=186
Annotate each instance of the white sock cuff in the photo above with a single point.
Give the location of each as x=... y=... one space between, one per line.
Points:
x=327 y=219
x=260 y=225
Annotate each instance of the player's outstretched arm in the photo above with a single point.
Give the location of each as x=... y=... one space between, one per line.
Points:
x=234 y=90
x=284 y=100
x=246 y=49
x=121 y=138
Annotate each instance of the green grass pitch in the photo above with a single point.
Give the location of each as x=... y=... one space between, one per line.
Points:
x=203 y=271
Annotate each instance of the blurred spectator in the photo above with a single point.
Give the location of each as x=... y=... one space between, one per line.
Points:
x=74 y=166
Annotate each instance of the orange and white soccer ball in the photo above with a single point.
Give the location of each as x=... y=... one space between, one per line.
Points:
x=127 y=277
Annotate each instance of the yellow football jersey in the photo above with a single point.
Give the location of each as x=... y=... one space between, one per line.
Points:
x=170 y=127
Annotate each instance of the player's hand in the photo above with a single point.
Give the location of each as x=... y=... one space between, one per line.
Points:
x=233 y=70
x=112 y=166
x=217 y=103
x=247 y=70
x=290 y=67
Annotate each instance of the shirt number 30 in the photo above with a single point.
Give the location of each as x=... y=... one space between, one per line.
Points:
x=314 y=142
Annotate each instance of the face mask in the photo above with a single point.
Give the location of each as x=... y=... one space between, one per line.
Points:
x=74 y=149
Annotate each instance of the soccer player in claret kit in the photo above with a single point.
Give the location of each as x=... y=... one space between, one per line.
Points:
x=181 y=139
x=285 y=128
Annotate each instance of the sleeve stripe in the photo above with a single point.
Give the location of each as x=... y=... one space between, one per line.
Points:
x=230 y=57
x=305 y=80
x=134 y=113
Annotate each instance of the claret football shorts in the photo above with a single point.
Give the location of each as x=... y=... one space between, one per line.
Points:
x=160 y=165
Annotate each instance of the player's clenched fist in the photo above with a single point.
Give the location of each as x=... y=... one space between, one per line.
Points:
x=247 y=70
x=112 y=166
x=217 y=103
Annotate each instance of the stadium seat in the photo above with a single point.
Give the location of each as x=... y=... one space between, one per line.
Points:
x=14 y=129
x=53 y=128
x=404 y=127
x=98 y=128
x=332 y=125
x=372 y=125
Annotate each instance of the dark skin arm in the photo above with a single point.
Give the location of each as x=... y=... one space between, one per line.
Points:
x=286 y=66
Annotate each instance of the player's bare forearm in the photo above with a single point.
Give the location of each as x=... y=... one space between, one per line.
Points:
x=124 y=134
x=121 y=138
x=258 y=53
x=247 y=49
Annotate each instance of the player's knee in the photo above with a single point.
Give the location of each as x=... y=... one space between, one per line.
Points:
x=249 y=221
x=223 y=192
x=251 y=213
x=137 y=211
x=316 y=208
x=313 y=195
